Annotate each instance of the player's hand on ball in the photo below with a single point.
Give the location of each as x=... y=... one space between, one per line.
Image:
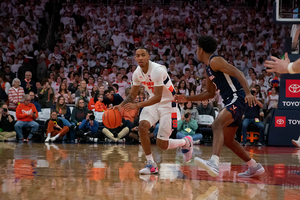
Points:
x=117 y=107
x=277 y=65
x=180 y=99
x=251 y=100
x=130 y=106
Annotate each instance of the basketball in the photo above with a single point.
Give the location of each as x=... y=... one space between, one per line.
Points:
x=112 y=118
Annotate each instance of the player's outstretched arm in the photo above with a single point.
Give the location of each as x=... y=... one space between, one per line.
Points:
x=208 y=94
x=283 y=66
x=153 y=100
x=219 y=64
x=130 y=98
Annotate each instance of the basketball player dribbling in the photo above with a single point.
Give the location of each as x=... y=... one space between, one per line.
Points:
x=159 y=107
x=236 y=95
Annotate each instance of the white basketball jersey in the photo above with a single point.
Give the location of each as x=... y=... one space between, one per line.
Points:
x=156 y=75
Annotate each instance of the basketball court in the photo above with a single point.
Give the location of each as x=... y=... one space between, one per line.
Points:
x=109 y=171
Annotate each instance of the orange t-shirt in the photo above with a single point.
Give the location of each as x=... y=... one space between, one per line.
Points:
x=22 y=111
x=91 y=104
x=100 y=107
x=131 y=115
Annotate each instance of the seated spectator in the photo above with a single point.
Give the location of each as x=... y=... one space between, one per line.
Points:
x=26 y=114
x=8 y=74
x=34 y=102
x=3 y=95
x=28 y=84
x=122 y=84
x=91 y=84
x=73 y=87
x=129 y=116
x=253 y=81
x=4 y=83
x=182 y=88
x=46 y=94
x=100 y=106
x=117 y=134
x=188 y=126
x=7 y=123
x=63 y=92
x=252 y=116
x=134 y=134
x=78 y=114
x=272 y=100
x=15 y=94
x=206 y=109
x=55 y=128
x=111 y=99
x=82 y=93
x=142 y=95
x=194 y=112
x=63 y=111
x=88 y=129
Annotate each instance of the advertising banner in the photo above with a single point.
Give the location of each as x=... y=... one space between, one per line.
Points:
x=289 y=92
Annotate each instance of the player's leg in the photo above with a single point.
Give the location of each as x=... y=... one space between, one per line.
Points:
x=223 y=120
x=165 y=130
x=148 y=117
x=254 y=167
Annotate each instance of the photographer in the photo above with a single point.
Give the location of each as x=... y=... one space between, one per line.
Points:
x=252 y=115
x=188 y=126
x=55 y=127
x=88 y=129
x=7 y=123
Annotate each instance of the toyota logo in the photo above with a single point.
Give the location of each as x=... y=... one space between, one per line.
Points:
x=294 y=88
x=280 y=121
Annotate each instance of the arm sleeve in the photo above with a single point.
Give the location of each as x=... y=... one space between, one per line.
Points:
x=94 y=128
x=135 y=79
x=73 y=116
x=81 y=126
x=193 y=124
x=19 y=114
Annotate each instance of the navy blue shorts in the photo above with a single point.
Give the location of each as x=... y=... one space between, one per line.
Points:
x=236 y=105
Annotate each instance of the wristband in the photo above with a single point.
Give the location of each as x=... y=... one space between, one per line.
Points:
x=290 y=68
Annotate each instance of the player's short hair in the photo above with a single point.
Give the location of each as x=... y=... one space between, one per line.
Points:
x=207 y=43
x=143 y=48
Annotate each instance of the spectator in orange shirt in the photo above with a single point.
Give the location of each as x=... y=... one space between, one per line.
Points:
x=100 y=106
x=26 y=113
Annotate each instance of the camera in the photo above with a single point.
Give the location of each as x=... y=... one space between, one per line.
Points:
x=4 y=109
x=252 y=92
x=92 y=117
x=187 y=115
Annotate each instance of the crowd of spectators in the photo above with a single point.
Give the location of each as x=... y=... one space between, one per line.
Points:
x=93 y=59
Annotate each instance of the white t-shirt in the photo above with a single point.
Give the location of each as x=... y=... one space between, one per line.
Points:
x=122 y=86
x=89 y=88
x=156 y=76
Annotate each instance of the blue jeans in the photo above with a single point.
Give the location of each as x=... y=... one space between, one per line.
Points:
x=259 y=125
x=20 y=124
x=73 y=132
x=197 y=136
x=128 y=124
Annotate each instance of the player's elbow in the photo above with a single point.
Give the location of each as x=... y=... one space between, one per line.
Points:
x=158 y=98
x=211 y=94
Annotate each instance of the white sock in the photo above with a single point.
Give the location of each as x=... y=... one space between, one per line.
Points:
x=174 y=143
x=215 y=158
x=95 y=139
x=252 y=163
x=149 y=157
x=57 y=136
x=49 y=135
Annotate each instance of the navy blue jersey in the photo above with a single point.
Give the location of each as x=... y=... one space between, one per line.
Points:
x=227 y=85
